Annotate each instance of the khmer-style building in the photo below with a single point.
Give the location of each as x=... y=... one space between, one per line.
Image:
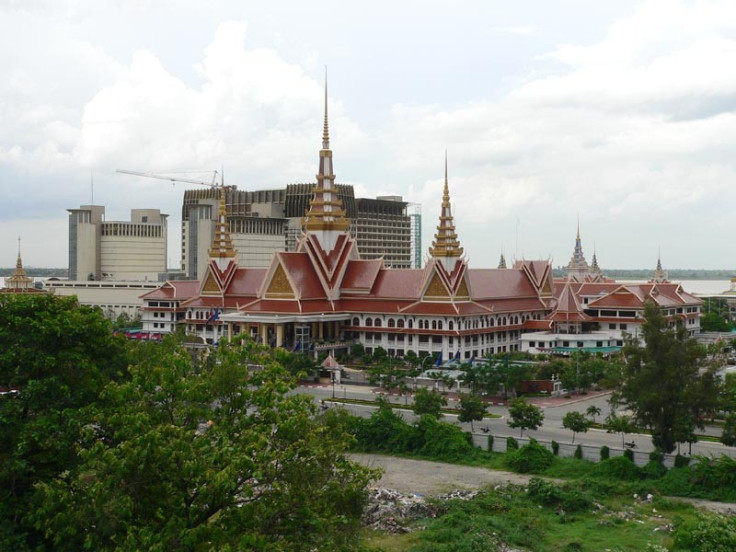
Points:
x=19 y=281
x=324 y=296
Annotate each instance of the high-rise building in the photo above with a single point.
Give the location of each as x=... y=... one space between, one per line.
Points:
x=116 y=250
x=265 y=221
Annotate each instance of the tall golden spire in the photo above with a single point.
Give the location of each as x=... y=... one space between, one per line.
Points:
x=326 y=213
x=445 y=242
x=19 y=279
x=222 y=245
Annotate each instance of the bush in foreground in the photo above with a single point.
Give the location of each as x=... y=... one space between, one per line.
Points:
x=531 y=458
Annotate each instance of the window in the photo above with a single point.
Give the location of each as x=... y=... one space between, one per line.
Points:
x=623 y=326
x=612 y=326
x=400 y=323
x=391 y=323
x=377 y=323
x=451 y=325
x=532 y=344
x=356 y=321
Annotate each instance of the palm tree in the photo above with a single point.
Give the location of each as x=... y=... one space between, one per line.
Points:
x=593 y=411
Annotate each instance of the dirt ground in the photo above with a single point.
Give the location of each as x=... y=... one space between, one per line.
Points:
x=422 y=477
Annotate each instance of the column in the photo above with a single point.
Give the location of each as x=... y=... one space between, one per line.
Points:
x=279 y=334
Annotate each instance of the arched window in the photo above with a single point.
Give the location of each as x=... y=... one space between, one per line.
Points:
x=368 y=322
x=377 y=323
x=411 y=324
x=356 y=321
x=491 y=322
x=503 y=322
x=400 y=323
x=451 y=325
x=434 y=324
x=439 y=325
x=391 y=323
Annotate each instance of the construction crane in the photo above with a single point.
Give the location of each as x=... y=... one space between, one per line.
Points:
x=175 y=179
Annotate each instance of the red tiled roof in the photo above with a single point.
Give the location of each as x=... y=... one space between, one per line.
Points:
x=302 y=275
x=360 y=274
x=491 y=283
x=247 y=282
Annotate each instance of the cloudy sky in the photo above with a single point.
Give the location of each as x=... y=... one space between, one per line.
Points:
x=620 y=113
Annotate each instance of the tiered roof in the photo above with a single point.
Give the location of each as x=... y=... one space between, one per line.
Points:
x=445 y=242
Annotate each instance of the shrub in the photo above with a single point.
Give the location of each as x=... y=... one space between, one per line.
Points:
x=579 y=452
x=618 y=467
x=442 y=440
x=682 y=461
x=531 y=458
x=708 y=534
x=511 y=444
x=605 y=452
x=628 y=453
x=555 y=448
x=490 y=443
x=656 y=456
x=549 y=494
x=654 y=470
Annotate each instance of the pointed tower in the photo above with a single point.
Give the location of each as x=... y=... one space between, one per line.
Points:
x=222 y=250
x=19 y=281
x=326 y=216
x=502 y=261
x=594 y=268
x=577 y=268
x=446 y=247
x=660 y=275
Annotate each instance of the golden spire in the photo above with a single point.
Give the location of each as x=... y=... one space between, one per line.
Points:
x=222 y=245
x=445 y=242
x=19 y=279
x=326 y=130
x=326 y=211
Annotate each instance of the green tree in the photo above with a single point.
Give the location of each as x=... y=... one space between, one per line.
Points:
x=728 y=437
x=524 y=415
x=429 y=402
x=593 y=411
x=210 y=455
x=482 y=377
x=472 y=408
x=575 y=422
x=59 y=356
x=660 y=381
x=619 y=424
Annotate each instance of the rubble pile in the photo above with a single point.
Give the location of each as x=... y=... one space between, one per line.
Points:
x=389 y=510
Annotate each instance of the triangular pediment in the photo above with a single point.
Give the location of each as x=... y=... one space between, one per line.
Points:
x=210 y=286
x=436 y=289
x=279 y=286
x=462 y=290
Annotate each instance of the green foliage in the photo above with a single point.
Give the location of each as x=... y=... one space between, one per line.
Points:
x=511 y=443
x=441 y=440
x=490 y=443
x=578 y=452
x=605 y=452
x=711 y=533
x=593 y=411
x=728 y=437
x=575 y=422
x=619 y=424
x=661 y=383
x=472 y=408
x=656 y=456
x=60 y=356
x=524 y=415
x=189 y=455
x=531 y=458
x=428 y=402
x=714 y=322
x=629 y=454
x=555 y=448
x=617 y=468
x=682 y=461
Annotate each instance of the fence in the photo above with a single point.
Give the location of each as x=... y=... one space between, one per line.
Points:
x=590 y=452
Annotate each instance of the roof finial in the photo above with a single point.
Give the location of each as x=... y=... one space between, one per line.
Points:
x=445 y=242
x=326 y=131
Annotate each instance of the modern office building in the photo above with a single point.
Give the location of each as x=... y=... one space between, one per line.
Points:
x=265 y=221
x=116 y=250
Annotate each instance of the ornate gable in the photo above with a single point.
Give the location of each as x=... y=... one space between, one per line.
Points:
x=436 y=290
x=210 y=286
x=279 y=287
x=462 y=290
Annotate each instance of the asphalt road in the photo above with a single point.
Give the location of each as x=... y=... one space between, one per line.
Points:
x=551 y=429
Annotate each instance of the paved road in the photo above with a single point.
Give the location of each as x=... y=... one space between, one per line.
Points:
x=554 y=411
